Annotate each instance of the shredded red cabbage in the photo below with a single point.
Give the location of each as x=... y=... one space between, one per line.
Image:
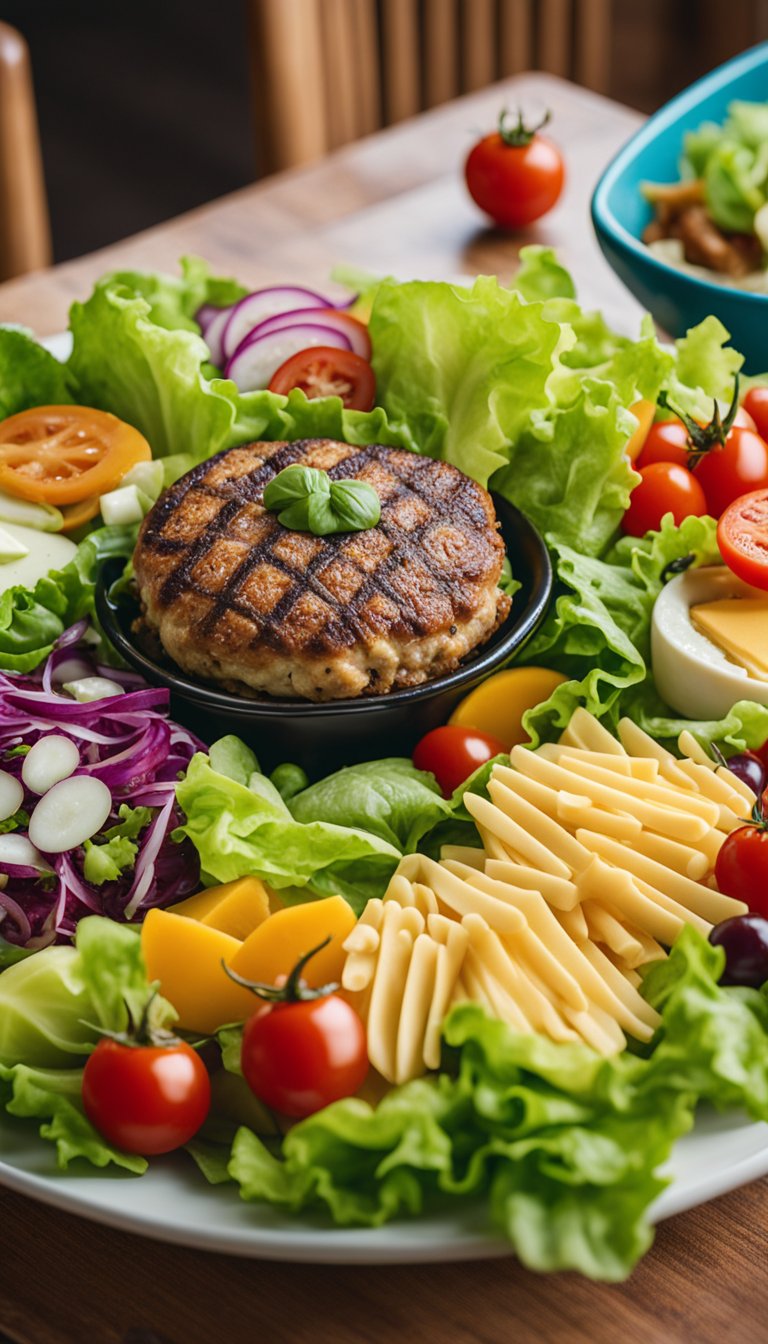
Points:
x=129 y=743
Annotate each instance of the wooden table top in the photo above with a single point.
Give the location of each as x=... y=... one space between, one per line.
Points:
x=394 y=203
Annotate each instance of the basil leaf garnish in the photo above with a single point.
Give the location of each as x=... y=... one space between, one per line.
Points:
x=307 y=500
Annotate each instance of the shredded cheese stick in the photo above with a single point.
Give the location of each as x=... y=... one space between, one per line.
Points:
x=502 y=1005
x=518 y=982
x=658 y=917
x=693 y=896
x=693 y=863
x=456 y=894
x=635 y=788
x=474 y=858
x=680 y=825
x=415 y=1008
x=718 y=787
x=591 y=735
x=494 y=848
x=577 y=811
x=601 y=1031
x=399 y=930
x=738 y=785
x=605 y=928
x=638 y=743
x=362 y=946
x=515 y=835
x=559 y=892
x=551 y=834
x=453 y=940
x=634 y=767
x=574 y=923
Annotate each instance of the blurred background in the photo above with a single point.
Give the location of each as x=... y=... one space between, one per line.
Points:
x=148 y=109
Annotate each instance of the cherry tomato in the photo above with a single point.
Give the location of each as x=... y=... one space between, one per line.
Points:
x=742 y=535
x=664 y=488
x=323 y=371
x=741 y=867
x=727 y=472
x=452 y=754
x=146 y=1099
x=668 y=441
x=515 y=175
x=66 y=454
x=299 y=1056
x=756 y=403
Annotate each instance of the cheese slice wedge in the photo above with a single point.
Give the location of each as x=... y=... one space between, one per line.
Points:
x=738 y=626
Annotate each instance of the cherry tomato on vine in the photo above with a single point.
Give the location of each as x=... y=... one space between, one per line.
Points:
x=452 y=754
x=741 y=867
x=664 y=487
x=756 y=404
x=742 y=535
x=669 y=441
x=146 y=1099
x=515 y=174
x=734 y=469
x=299 y=1057
x=303 y=1048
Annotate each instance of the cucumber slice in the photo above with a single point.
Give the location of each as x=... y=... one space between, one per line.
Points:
x=42 y=517
x=11 y=548
x=122 y=506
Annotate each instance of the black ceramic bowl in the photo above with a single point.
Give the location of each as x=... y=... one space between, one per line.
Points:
x=323 y=737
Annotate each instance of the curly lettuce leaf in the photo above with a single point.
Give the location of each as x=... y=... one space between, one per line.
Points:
x=53 y=1096
x=159 y=378
x=246 y=828
x=388 y=798
x=29 y=374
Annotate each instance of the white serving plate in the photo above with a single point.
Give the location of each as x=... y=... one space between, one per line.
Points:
x=174 y=1203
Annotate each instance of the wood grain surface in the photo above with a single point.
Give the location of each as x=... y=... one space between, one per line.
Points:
x=394 y=203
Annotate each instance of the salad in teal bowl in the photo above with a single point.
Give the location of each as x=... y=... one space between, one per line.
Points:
x=681 y=213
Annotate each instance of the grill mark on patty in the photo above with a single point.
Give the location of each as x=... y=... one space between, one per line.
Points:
x=346 y=623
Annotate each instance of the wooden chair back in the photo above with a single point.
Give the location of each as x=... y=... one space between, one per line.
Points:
x=25 y=237
x=326 y=72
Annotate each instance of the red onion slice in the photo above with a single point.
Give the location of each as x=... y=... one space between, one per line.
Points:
x=258 y=358
x=277 y=300
x=357 y=335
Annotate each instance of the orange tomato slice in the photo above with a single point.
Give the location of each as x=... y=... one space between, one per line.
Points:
x=66 y=454
x=76 y=515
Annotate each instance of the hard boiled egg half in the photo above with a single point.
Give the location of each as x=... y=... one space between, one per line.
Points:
x=709 y=643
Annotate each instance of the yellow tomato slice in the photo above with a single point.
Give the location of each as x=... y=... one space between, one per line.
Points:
x=643 y=412
x=76 y=515
x=497 y=706
x=66 y=454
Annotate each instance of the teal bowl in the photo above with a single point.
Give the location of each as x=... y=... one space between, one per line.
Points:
x=619 y=212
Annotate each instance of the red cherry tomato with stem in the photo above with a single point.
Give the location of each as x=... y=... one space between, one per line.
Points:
x=664 y=487
x=515 y=174
x=741 y=867
x=452 y=754
x=304 y=1048
x=146 y=1099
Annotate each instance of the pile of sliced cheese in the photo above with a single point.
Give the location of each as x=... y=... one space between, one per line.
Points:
x=596 y=852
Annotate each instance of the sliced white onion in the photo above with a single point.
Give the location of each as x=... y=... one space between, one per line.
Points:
x=17 y=849
x=93 y=688
x=11 y=795
x=51 y=759
x=69 y=814
x=71 y=669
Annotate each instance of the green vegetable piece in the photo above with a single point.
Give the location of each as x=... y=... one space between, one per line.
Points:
x=306 y=500
x=289 y=780
x=356 y=505
x=106 y=863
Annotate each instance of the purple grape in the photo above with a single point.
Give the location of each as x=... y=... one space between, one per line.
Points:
x=744 y=939
x=750 y=770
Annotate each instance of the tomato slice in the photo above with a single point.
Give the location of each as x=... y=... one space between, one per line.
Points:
x=76 y=515
x=66 y=454
x=323 y=371
x=742 y=535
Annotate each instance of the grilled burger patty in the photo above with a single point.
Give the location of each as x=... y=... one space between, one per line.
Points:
x=238 y=599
